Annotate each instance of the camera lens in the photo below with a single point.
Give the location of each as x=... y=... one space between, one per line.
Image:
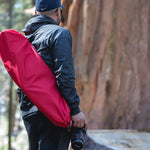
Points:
x=77 y=144
x=77 y=138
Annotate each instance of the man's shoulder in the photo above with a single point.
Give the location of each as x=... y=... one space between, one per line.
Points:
x=56 y=29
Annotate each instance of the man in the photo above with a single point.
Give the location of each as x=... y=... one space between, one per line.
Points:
x=54 y=45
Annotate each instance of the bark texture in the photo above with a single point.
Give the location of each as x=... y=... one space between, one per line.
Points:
x=111 y=50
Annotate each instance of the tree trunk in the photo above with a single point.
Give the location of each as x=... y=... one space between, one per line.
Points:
x=10 y=126
x=11 y=111
x=10 y=107
x=111 y=50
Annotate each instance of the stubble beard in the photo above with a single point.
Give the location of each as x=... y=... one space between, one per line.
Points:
x=59 y=20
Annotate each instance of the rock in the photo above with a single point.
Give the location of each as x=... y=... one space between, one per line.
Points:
x=120 y=139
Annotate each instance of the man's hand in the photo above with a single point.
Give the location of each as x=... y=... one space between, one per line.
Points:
x=79 y=120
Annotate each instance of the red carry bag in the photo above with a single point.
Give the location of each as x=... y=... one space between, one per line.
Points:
x=33 y=76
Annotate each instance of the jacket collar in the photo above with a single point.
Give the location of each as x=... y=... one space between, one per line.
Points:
x=36 y=22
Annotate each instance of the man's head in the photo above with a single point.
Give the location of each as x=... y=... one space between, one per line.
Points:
x=51 y=8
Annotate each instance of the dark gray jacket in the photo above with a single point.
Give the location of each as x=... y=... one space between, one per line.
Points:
x=54 y=45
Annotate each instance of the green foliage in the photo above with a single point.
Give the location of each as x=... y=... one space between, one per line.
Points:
x=12 y=15
x=19 y=17
x=20 y=142
x=19 y=14
x=18 y=20
x=4 y=80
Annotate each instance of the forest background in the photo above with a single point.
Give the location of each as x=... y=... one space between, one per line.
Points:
x=111 y=52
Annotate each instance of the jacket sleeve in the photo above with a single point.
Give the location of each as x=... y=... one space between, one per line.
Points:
x=64 y=70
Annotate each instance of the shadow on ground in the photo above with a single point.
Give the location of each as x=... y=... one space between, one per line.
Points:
x=92 y=145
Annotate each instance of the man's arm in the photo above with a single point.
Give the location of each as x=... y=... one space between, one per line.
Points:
x=65 y=75
x=64 y=70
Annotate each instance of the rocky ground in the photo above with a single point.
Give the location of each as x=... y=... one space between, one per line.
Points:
x=90 y=144
x=117 y=140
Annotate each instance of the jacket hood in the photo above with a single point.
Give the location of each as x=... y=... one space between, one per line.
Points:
x=37 y=21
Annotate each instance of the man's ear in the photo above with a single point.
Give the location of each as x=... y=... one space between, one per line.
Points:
x=35 y=12
x=58 y=12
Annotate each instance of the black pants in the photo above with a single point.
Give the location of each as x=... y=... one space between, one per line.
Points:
x=43 y=135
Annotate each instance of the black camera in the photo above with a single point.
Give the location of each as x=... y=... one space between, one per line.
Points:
x=77 y=138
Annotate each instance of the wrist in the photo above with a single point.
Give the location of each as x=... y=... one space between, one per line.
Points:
x=74 y=111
